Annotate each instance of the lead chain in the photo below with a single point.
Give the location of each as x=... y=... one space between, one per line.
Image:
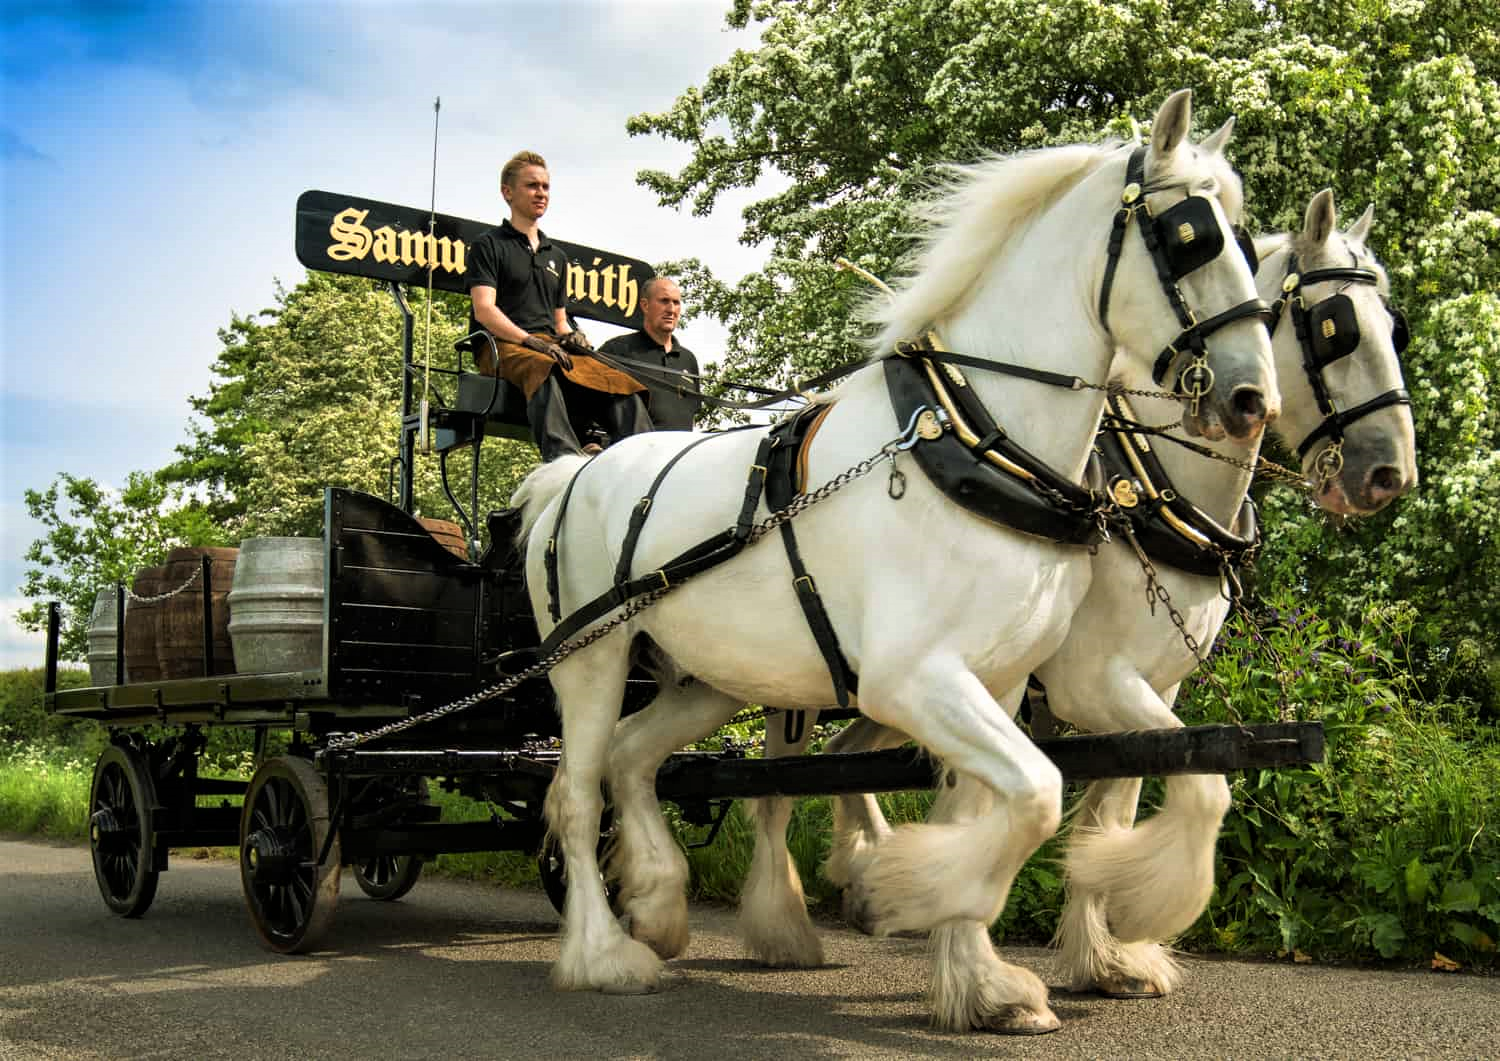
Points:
x=346 y=741
x=164 y=596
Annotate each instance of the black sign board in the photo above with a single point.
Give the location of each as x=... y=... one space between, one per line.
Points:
x=383 y=241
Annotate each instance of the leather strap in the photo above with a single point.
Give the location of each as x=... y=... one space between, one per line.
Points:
x=699 y=558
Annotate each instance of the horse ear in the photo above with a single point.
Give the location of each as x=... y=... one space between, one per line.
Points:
x=1359 y=232
x=1318 y=224
x=1214 y=145
x=1170 y=127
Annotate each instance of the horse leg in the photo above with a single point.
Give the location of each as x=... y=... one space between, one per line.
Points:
x=645 y=857
x=773 y=921
x=859 y=825
x=952 y=875
x=596 y=953
x=1131 y=887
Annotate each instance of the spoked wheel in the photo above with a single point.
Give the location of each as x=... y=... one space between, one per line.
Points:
x=389 y=877
x=282 y=831
x=553 y=868
x=121 y=801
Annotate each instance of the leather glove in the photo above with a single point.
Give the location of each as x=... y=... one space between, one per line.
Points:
x=576 y=342
x=548 y=347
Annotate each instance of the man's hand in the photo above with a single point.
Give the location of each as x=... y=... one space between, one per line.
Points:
x=551 y=349
x=576 y=342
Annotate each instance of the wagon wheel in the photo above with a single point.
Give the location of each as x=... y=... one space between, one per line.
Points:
x=283 y=827
x=554 y=870
x=389 y=877
x=121 y=802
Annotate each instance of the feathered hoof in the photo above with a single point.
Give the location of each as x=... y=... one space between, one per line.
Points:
x=667 y=937
x=1128 y=987
x=620 y=967
x=1018 y=1020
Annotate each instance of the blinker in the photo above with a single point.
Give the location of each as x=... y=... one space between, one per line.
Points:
x=1334 y=328
x=1190 y=234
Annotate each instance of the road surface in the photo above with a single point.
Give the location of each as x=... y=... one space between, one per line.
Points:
x=459 y=970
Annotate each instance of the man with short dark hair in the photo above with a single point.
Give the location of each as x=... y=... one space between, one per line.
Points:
x=517 y=281
x=673 y=397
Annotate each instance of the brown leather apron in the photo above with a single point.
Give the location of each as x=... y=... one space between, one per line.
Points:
x=528 y=369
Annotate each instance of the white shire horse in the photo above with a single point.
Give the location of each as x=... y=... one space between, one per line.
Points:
x=1132 y=886
x=941 y=614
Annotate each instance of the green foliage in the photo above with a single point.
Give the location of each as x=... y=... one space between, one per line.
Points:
x=309 y=395
x=24 y=718
x=1384 y=850
x=96 y=537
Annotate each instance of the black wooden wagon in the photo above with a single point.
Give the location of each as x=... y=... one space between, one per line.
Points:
x=408 y=627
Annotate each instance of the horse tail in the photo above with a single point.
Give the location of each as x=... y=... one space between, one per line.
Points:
x=540 y=487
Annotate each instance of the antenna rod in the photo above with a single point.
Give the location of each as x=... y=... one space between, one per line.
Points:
x=437 y=105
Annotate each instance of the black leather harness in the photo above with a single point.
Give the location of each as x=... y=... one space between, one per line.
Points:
x=1167 y=526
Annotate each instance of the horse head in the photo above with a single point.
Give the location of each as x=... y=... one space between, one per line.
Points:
x=1181 y=296
x=1345 y=406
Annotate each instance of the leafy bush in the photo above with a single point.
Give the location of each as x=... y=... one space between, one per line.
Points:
x=1384 y=850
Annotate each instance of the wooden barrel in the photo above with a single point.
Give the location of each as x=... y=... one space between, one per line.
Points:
x=179 y=644
x=142 y=623
x=104 y=635
x=449 y=535
x=276 y=605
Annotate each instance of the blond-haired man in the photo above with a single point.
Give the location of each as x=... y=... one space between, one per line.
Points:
x=517 y=281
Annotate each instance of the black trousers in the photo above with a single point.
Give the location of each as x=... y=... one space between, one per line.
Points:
x=561 y=411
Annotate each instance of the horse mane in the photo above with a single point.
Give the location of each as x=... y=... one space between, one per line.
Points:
x=976 y=211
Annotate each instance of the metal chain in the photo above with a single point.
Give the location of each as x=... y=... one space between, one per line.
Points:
x=347 y=741
x=1157 y=593
x=163 y=596
x=1261 y=466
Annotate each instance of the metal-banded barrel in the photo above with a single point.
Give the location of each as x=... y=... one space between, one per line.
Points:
x=276 y=605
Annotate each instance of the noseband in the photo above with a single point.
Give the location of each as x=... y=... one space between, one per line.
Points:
x=1186 y=236
x=1328 y=331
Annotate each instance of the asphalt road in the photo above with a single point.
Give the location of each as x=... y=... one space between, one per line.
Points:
x=459 y=970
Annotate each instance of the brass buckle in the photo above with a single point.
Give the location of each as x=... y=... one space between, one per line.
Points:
x=811 y=586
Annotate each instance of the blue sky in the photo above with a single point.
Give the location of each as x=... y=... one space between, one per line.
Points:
x=151 y=156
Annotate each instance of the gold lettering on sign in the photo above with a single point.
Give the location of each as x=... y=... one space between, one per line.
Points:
x=385 y=245
x=353 y=240
x=629 y=291
x=426 y=250
x=351 y=236
x=612 y=286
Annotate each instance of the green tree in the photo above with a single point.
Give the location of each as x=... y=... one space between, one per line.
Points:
x=96 y=537
x=309 y=395
x=848 y=109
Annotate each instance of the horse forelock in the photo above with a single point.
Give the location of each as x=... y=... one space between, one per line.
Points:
x=979 y=210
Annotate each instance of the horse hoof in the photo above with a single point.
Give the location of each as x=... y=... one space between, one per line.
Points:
x=1017 y=1020
x=665 y=982
x=1128 y=987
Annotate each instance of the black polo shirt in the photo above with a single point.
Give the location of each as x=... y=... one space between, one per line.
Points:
x=528 y=285
x=671 y=405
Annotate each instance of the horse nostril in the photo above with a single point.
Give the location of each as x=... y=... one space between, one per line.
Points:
x=1386 y=481
x=1249 y=404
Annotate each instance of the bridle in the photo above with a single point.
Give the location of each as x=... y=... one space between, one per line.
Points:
x=1184 y=237
x=1328 y=331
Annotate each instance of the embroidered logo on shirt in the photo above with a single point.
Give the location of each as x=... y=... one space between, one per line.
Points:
x=552 y=266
